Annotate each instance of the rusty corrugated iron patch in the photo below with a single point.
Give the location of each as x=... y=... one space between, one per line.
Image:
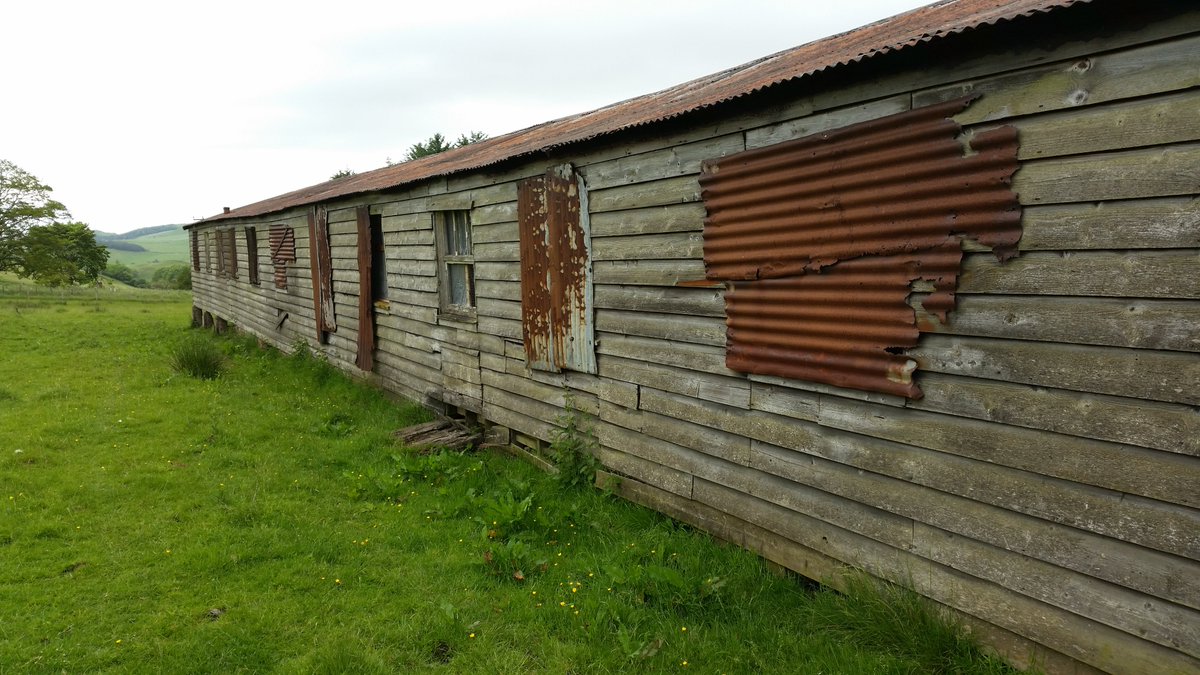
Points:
x=321 y=260
x=822 y=239
x=556 y=300
x=903 y=31
x=283 y=251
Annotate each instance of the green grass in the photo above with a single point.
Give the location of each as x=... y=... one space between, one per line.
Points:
x=162 y=248
x=264 y=521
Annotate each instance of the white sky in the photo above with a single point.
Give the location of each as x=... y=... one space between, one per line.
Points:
x=147 y=113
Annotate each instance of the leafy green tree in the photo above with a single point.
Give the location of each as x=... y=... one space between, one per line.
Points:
x=173 y=277
x=342 y=173
x=438 y=143
x=61 y=254
x=24 y=202
x=124 y=273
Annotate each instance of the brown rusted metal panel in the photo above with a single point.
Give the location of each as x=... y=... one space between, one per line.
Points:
x=822 y=239
x=903 y=31
x=556 y=283
x=322 y=272
x=195 y=237
x=366 y=308
x=282 y=241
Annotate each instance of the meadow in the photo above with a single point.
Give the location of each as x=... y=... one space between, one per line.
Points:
x=267 y=521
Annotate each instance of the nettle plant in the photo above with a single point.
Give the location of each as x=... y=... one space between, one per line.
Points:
x=573 y=448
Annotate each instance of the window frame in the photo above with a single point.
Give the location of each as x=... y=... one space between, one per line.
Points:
x=446 y=224
x=252 y=255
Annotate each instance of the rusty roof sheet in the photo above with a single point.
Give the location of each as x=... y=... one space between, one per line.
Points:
x=905 y=30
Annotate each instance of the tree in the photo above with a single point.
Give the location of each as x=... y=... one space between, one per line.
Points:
x=438 y=143
x=24 y=202
x=36 y=238
x=342 y=173
x=61 y=254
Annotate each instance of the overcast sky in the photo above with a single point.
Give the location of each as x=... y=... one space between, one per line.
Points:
x=141 y=114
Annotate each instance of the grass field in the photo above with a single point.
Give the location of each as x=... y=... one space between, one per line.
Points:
x=264 y=521
x=162 y=248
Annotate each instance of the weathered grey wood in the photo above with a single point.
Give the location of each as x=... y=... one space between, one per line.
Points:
x=405 y=253
x=504 y=213
x=826 y=120
x=1161 y=622
x=700 y=330
x=1149 y=172
x=710 y=441
x=1173 y=118
x=652 y=220
x=1113 y=469
x=1080 y=638
x=1017 y=650
x=1133 y=274
x=841 y=464
x=669 y=480
x=704 y=386
x=497 y=271
x=503 y=415
x=421 y=237
x=649 y=272
x=1140 y=373
x=679 y=160
x=502 y=309
x=1138 y=323
x=499 y=290
x=554 y=396
x=497 y=252
x=1168 y=222
x=690 y=301
x=505 y=328
x=781 y=383
x=1129 y=73
x=677 y=190
x=1162 y=426
x=703 y=358
x=604 y=389
x=670 y=245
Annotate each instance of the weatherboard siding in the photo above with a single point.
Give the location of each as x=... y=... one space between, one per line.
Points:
x=1047 y=486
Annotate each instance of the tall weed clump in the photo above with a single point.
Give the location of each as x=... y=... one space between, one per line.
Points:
x=199 y=357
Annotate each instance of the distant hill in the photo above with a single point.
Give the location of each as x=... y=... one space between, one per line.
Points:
x=147 y=249
x=104 y=237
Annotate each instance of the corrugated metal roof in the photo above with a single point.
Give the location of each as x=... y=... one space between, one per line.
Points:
x=823 y=236
x=905 y=30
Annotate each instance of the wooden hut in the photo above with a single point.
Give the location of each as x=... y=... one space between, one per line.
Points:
x=919 y=299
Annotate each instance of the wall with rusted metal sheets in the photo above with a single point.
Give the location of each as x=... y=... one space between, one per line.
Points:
x=1045 y=486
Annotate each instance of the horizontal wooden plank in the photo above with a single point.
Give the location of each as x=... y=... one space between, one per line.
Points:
x=680 y=160
x=498 y=232
x=648 y=272
x=697 y=329
x=505 y=328
x=604 y=389
x=703 y=358
x=856 y=469
x=826 y=120
x=726 y=390
x=1161 y=622
x=554 y=396
x=698 y=437
x=1138 y=323
x=688 y=301
x=1168 y=222
x=660 y=246
x=1076 y=636
x=497 y=271
x=1079 y=463
x=1149 y=424
x=497 y=252
x=677 y=190
x=1137 y=373
x=666 y=479
x=1132 y=274
x=1159 y=120
x=501 y=212
x=1149 y=172
x=651 y=220
x=499 y=290
x=1128 y=73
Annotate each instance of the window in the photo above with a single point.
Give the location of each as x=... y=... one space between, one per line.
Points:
x=456 y=265
x=226 y=254
x=252 y=254
x=208 y=252
x=195 y=251
x=282 y=240
x=379 y=280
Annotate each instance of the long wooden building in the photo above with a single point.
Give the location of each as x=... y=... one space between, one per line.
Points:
x=919 y=299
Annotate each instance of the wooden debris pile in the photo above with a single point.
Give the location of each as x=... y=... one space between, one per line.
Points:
x=440 y=433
